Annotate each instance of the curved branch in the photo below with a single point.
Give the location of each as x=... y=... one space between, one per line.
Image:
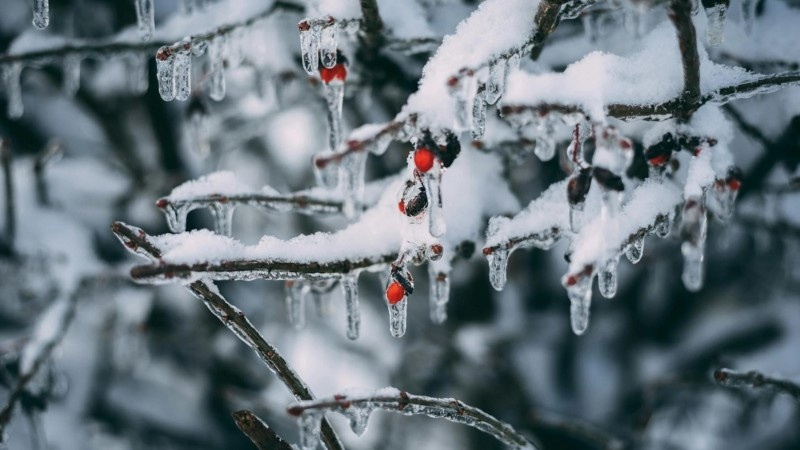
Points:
x=755 y=379
x=409 y=404
x=680 y=14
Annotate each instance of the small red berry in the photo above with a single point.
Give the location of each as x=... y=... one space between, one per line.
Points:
x=423 y=159
x=659 y=160
x=395 y=292
x=162 y=203
x=337 y=72
x=401 y=206
x=734 y=184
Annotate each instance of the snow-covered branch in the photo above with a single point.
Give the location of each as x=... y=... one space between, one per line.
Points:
x=755 y=379
x=680 y=13
x=357 y=408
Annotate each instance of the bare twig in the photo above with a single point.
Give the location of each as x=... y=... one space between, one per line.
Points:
x=410 y=404
x=52 y=151
x=680 y=13
x=138 y=242
x=755 y=379
x=7 y=245
x=262 y=436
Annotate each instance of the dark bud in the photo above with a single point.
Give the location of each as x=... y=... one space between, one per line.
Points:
x=578 y=186
x=608 y=179
x=415 y=198
x=659 y=154
x=448 y=152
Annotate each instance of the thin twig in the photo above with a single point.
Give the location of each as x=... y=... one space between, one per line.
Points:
x=262 y=436
x=755 y=379
x=139 y=243
x=410 y=404
x=299 y=203
x=545 y=22
x=680 y=13
x=7 y=244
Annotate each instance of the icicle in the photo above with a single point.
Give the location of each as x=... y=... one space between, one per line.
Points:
x=498 y=261
x=359 y=418
x=715 y=31
x=216 y=57
x=350 y=288
x=309 y=46
x=165 y=73
x=433 y=185
x=693 y=230
x=398 y=317
x=439 y=282
x=41 y=13
x=545 y=137
x=197 y=133
x=327 y=46
x=334 y=95
x=607 y=278
x=635 y=250
x=580 y=299
x=223 y=217
x=309 y=423
x=495 y=84
x=296 y=302
x=457 y=87
x=351 y=183
x=749 y=15
x=145 y=18
x=138 y=73
x=479 y=112
x=663 y=227
x=11 y=82
x=176 y=217
x=72 y=74
x=183 y=72
x=320 y=292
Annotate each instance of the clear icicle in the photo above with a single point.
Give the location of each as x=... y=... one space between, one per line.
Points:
x=398 y=317
x=223 y=218
x=41 y=13
x=216 y=57
x=327 y=46
x=439 y=282
x=320 y=292
x=326 y=173
x=715 y=31
x=72 y=74
x=350 y=288
x=165 y=73
x=479 y=112
x=295 y=302
x=309 y=423
x=198 y=135
x=139 y=79
x=433 y=185
x=11 y=83
x=498 y=262
x=183 y=73
x=635 y=250
x=694 y=230
x=351 y=183
x=358 y=417
x=544 y=128
x=145 y=18
x=495 y=84
x=607 y=278
x=309 y=48
x=663 y=227
x=334 y=95
x=176 y=217
x=580 y=299
x=749 y=15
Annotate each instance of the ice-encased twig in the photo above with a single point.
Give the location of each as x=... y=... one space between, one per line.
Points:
x=394 y=400
x=259 y=433
x=756 y=379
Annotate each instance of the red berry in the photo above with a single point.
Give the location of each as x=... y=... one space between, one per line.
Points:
x=423 y=159
x=659 y=160
x=401 y=206
x=395 y=292
x=337 y=72
x=734 y=184
x=162 y=203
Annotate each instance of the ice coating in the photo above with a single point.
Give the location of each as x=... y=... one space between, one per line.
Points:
x=349 y=283
x=145 y=18
x=479 y=112
x=182 y=72
x=165 y=73
x=398 y=313
x=216 y=57
x=11 y=83
x=715 y=31
x=309 y=47
x=41 y=13
x=334 y=96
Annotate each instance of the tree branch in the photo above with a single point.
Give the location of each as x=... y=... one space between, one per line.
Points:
x=7 y=244
x=139 y=243
x=371 y=26
x=755 y=379
x=262 y=436
x=680 y=13
x=410 y=404
x=300 y=203
x=545 y=22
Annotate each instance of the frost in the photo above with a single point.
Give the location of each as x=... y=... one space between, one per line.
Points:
x=580 y=300
x=607 y=278
x=635 y=250
x=327 y=46
x=165 y=73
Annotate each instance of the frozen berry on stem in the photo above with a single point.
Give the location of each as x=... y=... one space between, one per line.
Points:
x=335 y=73
x=423 y=159
x=395 y=293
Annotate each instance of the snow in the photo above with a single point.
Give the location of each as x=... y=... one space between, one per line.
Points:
x=222 y=183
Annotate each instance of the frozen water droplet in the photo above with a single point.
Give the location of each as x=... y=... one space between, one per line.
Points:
x=138 y=73
x=41 y=13
x=165 y=73
x=309 y=48
x=351 y=183
x=309 y=423
x=176 y=216
x=397 y=317
x=182 y=70
x=635 y=250
x=495 y=84
x=433 y=185
x=498 y=261
x=580 y=299
x=216 y=58
x=749 y=15
x=359 y=418
x=327 y=46
x=11 y=83
x=715 y=31
x=334 y=95
x=349 y=284
x=296 y=302
x=145 y=18
x=479 y=112
x=607 y=278
x=223 y=217
x=439 y=293
x=72 y=74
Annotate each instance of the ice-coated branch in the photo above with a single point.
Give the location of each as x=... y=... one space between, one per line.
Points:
x=139 y=243
x=375 y=141
x=299 y=202
x=10 y=225
x=755 y=379
x=259 y=433
x=98 y=50
x=358 y=408
x=680 y=13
